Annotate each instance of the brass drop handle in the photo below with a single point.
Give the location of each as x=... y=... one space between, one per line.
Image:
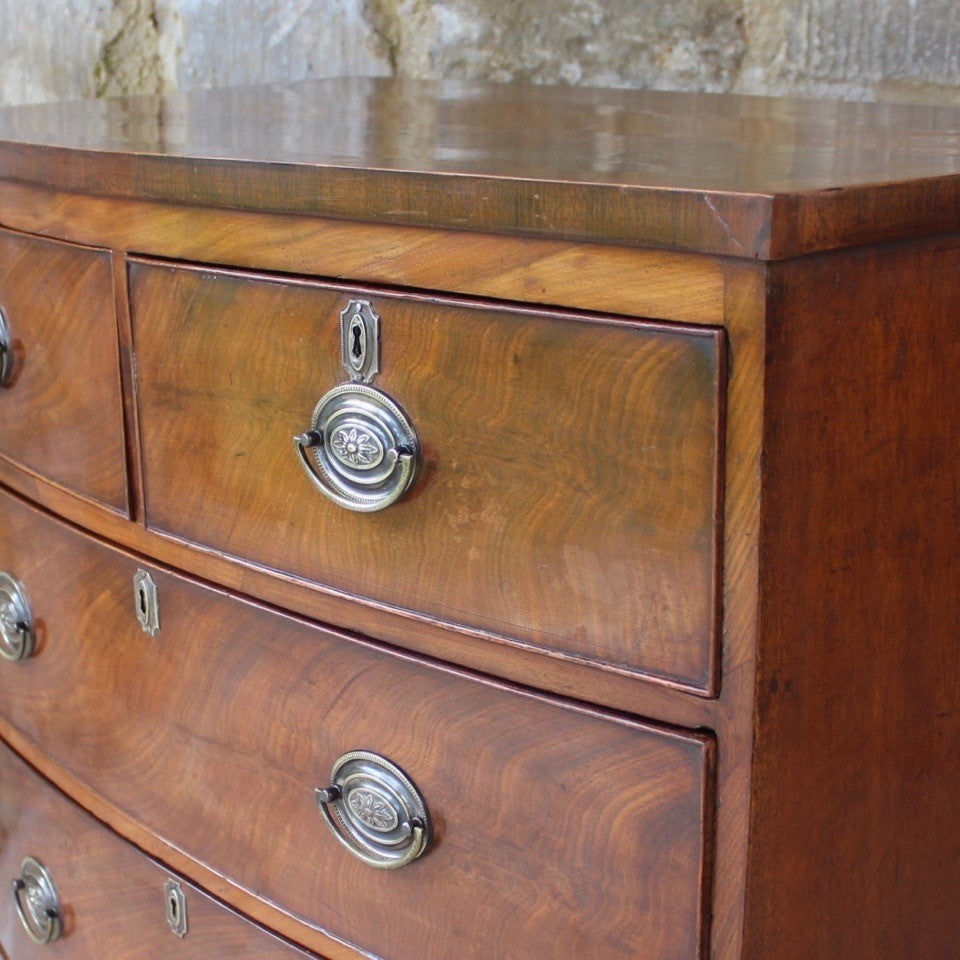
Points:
x=37 y=903
x=6 y=350
x=375 y=811
x=17 y=635
x=361 y=450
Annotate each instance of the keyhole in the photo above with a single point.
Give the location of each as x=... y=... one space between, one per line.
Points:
x=173 y=908
x=357 y=348
x=143 y=601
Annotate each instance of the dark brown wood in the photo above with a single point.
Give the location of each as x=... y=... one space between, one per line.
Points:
x=372 y=250
x=127 y=377
x=211 y=881
x=635 y=281
x=61 y=413
x=835 y=724
x=561 y=830
x=475 y=649
x=746 y=312
x=742 y=176
x=405 y=254
x=112 y=896
x=855 y=840
x=570 y=485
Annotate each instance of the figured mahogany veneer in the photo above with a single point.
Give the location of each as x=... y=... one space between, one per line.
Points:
x=568 y=494
x=790 y=788
x=856 y=767
x=112 y=896
x=61 y=413
x=740 y=176
x=567 y=831
x=638 y=281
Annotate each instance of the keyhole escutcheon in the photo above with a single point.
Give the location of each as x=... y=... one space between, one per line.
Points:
x=359 y=340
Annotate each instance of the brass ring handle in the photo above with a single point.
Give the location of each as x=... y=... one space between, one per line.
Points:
x=37 y=902
x=361 y=450
x=354 y=499
x=17 y=635
x=6 y=350
x=375 y=811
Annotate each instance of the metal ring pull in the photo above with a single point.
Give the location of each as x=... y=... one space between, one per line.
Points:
x=375 y=811
x=17 y=635
x=365 y=452
x=6 y=350
x=37 y=903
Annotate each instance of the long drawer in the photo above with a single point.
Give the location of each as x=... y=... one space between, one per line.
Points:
x=552 y=830
x=111 y=902
x=569 y=478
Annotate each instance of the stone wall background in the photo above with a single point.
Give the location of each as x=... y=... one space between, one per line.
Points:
x=851 y=49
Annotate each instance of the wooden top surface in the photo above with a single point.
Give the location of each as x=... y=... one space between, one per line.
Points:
x=746 y=176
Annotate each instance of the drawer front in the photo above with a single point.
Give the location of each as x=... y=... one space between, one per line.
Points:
x=567 y=496
x=559 y=831
x=61 y=409
x=111 y=897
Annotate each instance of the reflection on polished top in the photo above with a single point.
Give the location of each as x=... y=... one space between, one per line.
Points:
x=746 y=176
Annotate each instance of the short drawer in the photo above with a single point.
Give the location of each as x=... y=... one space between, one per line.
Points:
x=112 y=900
x=567 y=495
x=558 y=831
x=61 y=406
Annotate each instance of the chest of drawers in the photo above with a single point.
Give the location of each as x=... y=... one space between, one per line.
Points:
x=446 y=521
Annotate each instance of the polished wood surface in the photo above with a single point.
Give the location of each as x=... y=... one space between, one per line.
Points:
x=60 y=415
x=637 y=282
x=855 y=836
x=112 y=895
x=476 y=649
x=746 y=309
x=826 y=759
x=730 y=716
x=569 y=492
x=561 y=830
x=370 y=249
x=747 y=177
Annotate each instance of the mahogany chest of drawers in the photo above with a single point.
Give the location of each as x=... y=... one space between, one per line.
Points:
x=443 y=521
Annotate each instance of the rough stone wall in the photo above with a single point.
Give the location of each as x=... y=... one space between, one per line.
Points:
x=854 y=49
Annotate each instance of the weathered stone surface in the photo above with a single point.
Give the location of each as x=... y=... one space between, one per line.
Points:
x=69 y=49
x=66 y=49
x=686 y=44
x=44 y=60
x=859 y=49
x=853 y=49
x=130 y=57
x=260 y=41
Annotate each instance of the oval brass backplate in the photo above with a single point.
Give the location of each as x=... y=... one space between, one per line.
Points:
x=375 y=810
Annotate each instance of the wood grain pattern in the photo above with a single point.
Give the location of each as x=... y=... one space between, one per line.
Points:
x=61 y=413
x=127 y=374
x=568 y=495
x=214 y=883
x=646 y=283
x=369 y=249
x=112 y=895
x=836 y=726
x=746 y=311
x=476 y=649
x=659 y=284
x=855 y=842
x=747 y=177
x=569 y=831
